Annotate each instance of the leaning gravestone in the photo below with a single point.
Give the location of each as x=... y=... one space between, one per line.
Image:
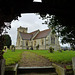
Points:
x=73 y=64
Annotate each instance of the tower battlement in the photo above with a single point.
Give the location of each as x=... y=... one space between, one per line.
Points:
x=22 y=29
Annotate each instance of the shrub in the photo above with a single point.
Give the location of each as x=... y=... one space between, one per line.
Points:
x=51 y=50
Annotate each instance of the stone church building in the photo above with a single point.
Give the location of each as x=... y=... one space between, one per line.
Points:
x=44 y=39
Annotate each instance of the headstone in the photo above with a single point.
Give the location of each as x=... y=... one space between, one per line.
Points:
x=12 y=48
x=73 y=64
x=5 y=48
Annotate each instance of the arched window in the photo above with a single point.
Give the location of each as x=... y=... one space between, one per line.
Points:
x=42 y=42
x=34 y=43
x=26 y=43
x=18 y=40
x=52 y=40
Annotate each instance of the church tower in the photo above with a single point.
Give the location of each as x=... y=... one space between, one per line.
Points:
x=22 y=29
x=19 y=40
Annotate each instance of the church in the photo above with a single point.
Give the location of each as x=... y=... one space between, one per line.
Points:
x=44 y=39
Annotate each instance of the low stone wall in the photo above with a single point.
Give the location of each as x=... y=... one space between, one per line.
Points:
x=2 y=66
x=62 y=71
x=59 y=70
x=11 y=70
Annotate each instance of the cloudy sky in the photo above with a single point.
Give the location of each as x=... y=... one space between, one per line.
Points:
x=31 y=21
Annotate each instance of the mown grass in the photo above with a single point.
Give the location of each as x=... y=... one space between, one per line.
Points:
x=58 y=57
x=12 y=57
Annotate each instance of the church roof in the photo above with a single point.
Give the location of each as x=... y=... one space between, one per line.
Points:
x=42 y=34
x=26 y=36
x=33 y=33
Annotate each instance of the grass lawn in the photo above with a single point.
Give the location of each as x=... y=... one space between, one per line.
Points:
x=12 y=57
x=58 y=57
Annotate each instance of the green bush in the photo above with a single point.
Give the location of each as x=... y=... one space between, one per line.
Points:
x=51 y=50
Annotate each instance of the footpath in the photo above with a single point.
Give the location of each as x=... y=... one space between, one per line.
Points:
x=30 y=59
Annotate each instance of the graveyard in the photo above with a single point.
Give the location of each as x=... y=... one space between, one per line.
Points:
x=64 y=57
x=60 y=60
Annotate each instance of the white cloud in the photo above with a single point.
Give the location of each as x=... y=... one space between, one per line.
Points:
x=31 y=21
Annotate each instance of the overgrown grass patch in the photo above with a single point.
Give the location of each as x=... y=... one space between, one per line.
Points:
x=12 y=57
x=58 y=57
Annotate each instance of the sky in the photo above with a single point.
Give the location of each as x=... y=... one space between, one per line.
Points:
x=29 y=20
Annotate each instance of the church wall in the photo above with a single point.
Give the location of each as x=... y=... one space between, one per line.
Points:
x=27 y=46
x=19 y=40
x=39 y=42
x=56 y=46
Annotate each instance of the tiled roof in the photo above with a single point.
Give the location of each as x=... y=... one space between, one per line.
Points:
x=42 y=34
x=26 y=36
x=33 y=33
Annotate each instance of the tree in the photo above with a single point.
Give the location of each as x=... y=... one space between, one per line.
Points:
x=63 y=26
x=7 y=40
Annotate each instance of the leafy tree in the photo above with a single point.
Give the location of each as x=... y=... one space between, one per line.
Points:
x=7 y=40
x=63 y=26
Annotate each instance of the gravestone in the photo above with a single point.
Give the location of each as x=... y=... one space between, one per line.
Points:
x=5 y=48
x=73 y=64
x=12 y=47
